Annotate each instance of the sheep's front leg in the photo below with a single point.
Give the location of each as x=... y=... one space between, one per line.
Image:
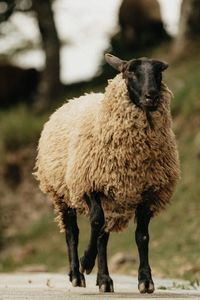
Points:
x=87 y=261
x=104 y=281
x=145 y=282
x=97 y=244
x=72 y=233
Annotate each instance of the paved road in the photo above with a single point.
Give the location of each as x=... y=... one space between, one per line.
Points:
x=56 y=287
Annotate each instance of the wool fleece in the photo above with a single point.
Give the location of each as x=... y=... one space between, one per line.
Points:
x=105 y=143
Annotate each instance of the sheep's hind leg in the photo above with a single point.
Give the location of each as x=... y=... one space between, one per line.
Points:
x=72 y=233
x=143 y=216
x=97 y=244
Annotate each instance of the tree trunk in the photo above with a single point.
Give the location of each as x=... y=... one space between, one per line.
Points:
x=50 y=84
x=188 y=39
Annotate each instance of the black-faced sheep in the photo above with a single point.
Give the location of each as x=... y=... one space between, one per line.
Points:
x=112 y=156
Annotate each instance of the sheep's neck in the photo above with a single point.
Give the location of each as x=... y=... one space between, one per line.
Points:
x=120 y=114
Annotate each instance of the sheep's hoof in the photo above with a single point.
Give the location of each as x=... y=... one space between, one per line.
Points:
x=146 y=286
x=105 y=284
x=77 y=280
x=86 y=265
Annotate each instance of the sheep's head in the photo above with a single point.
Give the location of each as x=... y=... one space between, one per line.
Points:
x=143 y=78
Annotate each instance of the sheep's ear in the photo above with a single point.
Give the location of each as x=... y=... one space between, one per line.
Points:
x=115 y=62
x=162 y=65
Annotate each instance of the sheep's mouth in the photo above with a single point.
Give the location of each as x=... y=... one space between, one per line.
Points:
x=146 y=107
x=151 y=105
x=151 y=108
x=144 y=103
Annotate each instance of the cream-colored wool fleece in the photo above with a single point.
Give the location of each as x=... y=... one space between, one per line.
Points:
x=103 y=142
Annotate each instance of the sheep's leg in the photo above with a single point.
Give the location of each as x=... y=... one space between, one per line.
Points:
x=104 y=281
x=72 y=233
x=98 y=243
x=145 y=282
x=87 y=261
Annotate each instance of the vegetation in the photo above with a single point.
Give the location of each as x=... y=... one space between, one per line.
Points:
x=19 y=127
x=174 y=233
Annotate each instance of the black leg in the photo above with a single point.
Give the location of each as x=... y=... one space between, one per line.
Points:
x=104 y=281
x=143 y=216
x=96 y=221
x=72 y=233
x=97 y=244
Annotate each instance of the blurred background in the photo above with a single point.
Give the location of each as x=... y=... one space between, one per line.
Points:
x=51 y=51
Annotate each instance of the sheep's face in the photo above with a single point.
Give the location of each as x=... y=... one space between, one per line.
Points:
x=143 y=78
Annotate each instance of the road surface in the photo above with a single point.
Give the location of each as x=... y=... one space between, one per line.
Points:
x=56 y=287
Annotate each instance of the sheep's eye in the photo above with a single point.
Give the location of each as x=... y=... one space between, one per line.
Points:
x=128 y=74
x=131 y=75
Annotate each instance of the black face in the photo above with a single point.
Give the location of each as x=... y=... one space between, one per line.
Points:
x=143 y=78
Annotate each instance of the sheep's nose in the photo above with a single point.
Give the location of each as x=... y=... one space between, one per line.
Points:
x=149 y=99
x=152 y=99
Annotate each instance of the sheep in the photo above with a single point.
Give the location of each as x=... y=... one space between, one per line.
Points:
x=111 y=156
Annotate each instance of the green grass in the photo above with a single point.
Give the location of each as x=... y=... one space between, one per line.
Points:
x=19 y=127
x=183 y=80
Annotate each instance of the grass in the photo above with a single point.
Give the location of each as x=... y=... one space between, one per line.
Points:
x=174 y=245
x=19 y=127
x=183 y=79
